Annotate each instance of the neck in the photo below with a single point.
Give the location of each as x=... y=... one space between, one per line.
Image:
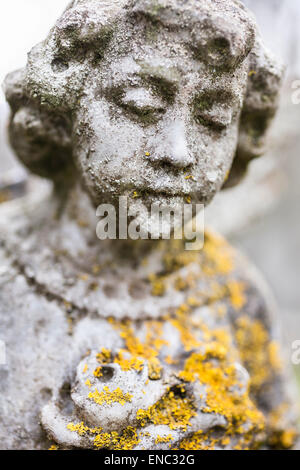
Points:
x=75 y=222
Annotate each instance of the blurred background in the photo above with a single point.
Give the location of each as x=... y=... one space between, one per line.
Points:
x=262 y=215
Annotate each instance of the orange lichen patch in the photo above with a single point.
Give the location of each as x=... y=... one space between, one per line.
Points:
x=154 y=335
x=276 y=416
x=85 y=368
x=237 y=294
x=221 y=310
x=53 y=447
x=83 y=277
x=284 y=439
x=104 y=357
x=186 y=282
x=125 y=441
x=88 y=383
x=109 y=397
x=182 y=323
x=128 y=364
x=218 y=255
x=115 y=441
x=163 y=439
x=257 y=351
x=193 y=302
x=172 y=410
x=170 y=360
x=215 y=292
x=273 y=353
x=81 y=429
x=158 y=285
x=155 y=369
x=181 y=283
x=133 y=344
x=212 y=354
x=98 y=372
x=209 y=441
x=225 y=441
x=176 y=257
x=135 y=353
x=280 y=437
x=198 y=441
x=213 y=370
x=187 y=337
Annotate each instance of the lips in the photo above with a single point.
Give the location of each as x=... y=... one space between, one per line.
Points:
x=162 y=192
x=176 y=188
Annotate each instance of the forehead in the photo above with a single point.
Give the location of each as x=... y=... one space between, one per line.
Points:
x=170 y=61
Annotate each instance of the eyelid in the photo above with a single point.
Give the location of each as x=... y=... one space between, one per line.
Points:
x=211 y=109
x=224 y=118
x=141 y=97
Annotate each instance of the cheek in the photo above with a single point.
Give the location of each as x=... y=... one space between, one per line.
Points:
x=214 y=156
x=113 y=145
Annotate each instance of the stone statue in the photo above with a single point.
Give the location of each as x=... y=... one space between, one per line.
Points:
x=139 y=344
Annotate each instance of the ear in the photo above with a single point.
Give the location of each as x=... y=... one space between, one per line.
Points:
x=40 y=138
x=260 y=106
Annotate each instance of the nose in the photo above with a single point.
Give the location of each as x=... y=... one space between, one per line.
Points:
x=171 y=146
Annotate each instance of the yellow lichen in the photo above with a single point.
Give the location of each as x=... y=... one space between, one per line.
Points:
x=213 y=354
x=279 y=436
x=158 y=286
x=163 y=439
x=218 y=256
x=53 y=447
x=172 y=410
x=237 y=294
x=155 y=368
x=109 y=397
x=98 y=372
x=114 y=441
x=81 y=429
x=258 y=353
x=104 y=357
x=128 y=364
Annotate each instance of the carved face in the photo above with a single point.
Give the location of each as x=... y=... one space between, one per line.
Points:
x=155 y=124
x=150 y=99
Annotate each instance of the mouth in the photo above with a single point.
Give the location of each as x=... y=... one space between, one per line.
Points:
x=165 y=193
x=178 y=188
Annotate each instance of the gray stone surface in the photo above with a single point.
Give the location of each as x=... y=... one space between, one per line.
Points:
x=128 y=99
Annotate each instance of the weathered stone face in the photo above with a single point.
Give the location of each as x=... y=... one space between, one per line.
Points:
x=131 y=345
x=146 y=99
x=153 y=127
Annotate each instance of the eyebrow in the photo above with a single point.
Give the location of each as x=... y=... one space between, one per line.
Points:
x=160 y=85
x=207 y=97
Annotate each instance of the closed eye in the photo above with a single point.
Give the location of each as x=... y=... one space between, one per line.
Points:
x=138 y=103
x=217 y=120
x=213 y=109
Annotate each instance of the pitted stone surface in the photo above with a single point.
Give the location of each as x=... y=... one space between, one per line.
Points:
x=126 y=344
x=138 y=95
